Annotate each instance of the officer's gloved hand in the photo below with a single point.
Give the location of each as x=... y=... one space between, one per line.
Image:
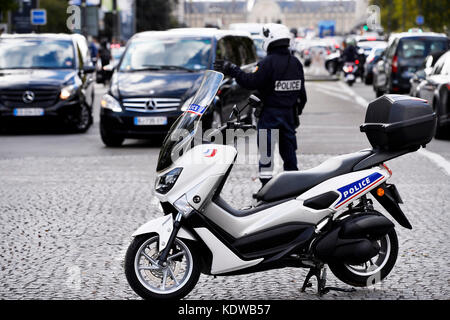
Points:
x=223 y=66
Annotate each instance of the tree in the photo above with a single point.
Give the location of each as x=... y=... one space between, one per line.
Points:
x=56 y=16
x=5 y=6
x=400 y=15
x=154 y=15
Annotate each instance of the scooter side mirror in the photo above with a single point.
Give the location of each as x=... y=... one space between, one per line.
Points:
x=254 y=100
x=235 y=112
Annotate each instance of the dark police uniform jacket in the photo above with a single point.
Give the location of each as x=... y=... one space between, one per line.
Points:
x=279 y=79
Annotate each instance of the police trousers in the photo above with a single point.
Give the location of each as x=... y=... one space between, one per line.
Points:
x=276 y=126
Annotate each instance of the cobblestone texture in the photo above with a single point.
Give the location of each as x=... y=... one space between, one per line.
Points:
x=66 y=223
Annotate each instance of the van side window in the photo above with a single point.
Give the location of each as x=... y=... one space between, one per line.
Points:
x=226 y=50
x=248 y=51
x=220 y=50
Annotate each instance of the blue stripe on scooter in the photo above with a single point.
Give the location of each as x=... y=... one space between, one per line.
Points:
x=353 y=188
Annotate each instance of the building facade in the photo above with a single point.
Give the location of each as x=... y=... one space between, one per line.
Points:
x=294 y=14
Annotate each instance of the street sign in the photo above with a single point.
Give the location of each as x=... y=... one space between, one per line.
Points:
x=420 y=20
x=38 y=17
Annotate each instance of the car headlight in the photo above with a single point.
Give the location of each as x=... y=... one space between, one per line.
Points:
x=187 y=103
x=108 y=102
x=167 y=181
x=67 y=92
x=183 y=206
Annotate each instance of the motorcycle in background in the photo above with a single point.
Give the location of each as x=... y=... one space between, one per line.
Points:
x=350 y=70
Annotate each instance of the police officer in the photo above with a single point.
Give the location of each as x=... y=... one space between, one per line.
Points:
x=280 y=82
x=350 y=53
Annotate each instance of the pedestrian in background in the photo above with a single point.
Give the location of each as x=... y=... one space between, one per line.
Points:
x=104 y=53
x=93 y=49
x=280 y=82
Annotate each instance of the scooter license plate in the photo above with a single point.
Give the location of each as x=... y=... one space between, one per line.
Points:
x=350 y=77
x=28 y=112
x=150 y=121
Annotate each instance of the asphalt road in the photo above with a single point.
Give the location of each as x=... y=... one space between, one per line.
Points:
x=68 y=206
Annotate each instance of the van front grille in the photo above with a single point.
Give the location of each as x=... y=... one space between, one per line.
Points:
x=151 y=104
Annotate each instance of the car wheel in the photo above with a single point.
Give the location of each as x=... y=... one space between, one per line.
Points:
x=441 y=131
x=331 y=68
x=110 y=139
x=378 y=92
x=81 y=120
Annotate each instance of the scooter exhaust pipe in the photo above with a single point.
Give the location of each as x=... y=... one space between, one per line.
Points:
x=354 y=239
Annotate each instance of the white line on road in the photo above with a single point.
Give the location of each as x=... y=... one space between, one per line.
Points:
x=327 y=86
x=439 y=160
x=333 y=94
x=360 y=100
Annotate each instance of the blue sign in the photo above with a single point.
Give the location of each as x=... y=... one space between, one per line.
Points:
x=326 y=28
x=38 y=17
x=420 y=20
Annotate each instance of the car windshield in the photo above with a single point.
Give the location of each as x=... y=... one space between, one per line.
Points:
x=420 y=47
x=183 y=131
x=22 y=53
x=167 y=53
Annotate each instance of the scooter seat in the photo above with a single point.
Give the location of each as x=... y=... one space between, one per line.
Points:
x=293 y=183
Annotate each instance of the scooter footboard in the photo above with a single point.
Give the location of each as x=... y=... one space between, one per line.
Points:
x=354 y=239
x=163 y=226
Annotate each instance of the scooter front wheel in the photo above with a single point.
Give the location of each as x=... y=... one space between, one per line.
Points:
x=174 y=280
x=375 y=269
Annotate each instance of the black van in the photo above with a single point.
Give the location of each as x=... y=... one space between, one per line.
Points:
x=158 y=75
x=403 y=56
x=46 y=77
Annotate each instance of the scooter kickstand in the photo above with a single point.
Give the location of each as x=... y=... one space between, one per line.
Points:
x=321 y=275
x=306 y=283
x=316 y=273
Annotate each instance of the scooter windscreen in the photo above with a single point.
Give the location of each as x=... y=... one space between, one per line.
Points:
x=184 y=128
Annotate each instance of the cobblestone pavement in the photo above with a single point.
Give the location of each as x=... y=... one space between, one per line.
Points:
x=66 y=221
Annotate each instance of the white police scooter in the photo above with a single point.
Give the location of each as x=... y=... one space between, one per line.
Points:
x=311 y=219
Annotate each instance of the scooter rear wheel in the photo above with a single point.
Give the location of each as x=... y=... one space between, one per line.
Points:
x=372 y=271
x=152 y=281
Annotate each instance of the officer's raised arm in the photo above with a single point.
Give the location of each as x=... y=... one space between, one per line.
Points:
x=252 y=81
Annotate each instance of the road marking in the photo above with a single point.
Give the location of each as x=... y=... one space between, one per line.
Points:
x=326 y=86
x=333 y=94
x=437 y=159
x=360 y=100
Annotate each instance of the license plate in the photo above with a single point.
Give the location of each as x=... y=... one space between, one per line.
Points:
x=381 y=79
x=350 y=77
x=28 y=112
x=150 y=121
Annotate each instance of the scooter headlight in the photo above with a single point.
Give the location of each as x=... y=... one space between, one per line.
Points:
x=167 y=181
